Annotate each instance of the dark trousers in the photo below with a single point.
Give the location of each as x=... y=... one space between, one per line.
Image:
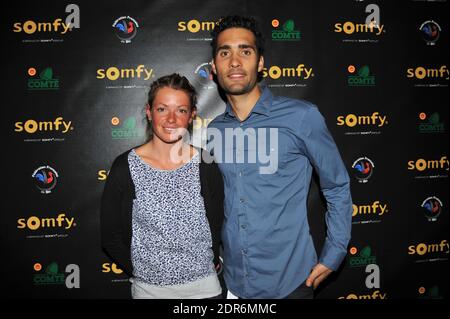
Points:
x=301 y=292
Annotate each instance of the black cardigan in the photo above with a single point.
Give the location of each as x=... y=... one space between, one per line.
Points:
x=117 y=203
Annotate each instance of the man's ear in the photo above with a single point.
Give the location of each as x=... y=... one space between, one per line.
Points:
x=260 y=63
x=213 y=67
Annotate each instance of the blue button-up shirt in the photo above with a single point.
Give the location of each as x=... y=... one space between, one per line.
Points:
x=268 y=249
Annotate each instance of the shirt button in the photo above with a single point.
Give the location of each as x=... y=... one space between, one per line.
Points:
x=240 y=174
x=240 y=124
x=242 y=200
x=243 y=226
x=244 y=251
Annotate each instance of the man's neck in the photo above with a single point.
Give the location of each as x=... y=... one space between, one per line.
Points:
x=243 y=104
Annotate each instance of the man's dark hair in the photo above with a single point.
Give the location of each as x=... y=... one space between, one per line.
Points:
x=174 y=81
x=235 y=21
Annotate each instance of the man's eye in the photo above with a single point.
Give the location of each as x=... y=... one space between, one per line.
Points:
x=160 y=109
x=183 y=111
x=223 y=53
x=247 y=52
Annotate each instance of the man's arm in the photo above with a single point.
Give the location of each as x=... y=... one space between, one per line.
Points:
x=323 y=154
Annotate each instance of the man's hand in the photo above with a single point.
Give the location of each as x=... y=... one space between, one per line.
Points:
x=318 y=274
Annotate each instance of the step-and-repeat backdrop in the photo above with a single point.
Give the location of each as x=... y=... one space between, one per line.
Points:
x=74 y=92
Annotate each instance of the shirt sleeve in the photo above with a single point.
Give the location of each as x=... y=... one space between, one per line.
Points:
x=323 y=154
x=111 y=221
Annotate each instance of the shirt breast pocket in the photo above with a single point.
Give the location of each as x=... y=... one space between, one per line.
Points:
x=279 y=157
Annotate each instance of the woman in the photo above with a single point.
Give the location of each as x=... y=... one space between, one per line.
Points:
x=161 y=215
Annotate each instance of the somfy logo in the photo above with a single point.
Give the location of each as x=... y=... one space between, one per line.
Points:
x=57 y=26
x=113 y=73
x=352 y=120
x=194 y=26
x=300 y=71
x=429 y=164
x=376 y=208
x=372 y=26
x=32 y=126
x=422 y=249
x=34 y=223
x=377 y=294
x=422 y=73
x=108 y=267
x=102 y=175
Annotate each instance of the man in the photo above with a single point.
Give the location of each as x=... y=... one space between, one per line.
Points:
x=268 y=250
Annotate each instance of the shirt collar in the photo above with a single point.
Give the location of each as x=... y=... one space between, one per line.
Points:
x=262 y=106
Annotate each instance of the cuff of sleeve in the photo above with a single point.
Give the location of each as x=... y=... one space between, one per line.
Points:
x=332 y=256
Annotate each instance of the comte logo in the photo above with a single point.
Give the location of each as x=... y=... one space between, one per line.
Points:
x=53 y=276
x=126 y=130
x=285 y=32
x=361 y=77
x=430 y=123
x=45 y=80
x=361 y=258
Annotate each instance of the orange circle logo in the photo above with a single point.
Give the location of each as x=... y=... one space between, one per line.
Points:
x=32 y=71
x=422 y=116
x=421 y=290
x=275 y=23
x=353 y=250
x=351 y=68
x=37 y=266
x=115 y=121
